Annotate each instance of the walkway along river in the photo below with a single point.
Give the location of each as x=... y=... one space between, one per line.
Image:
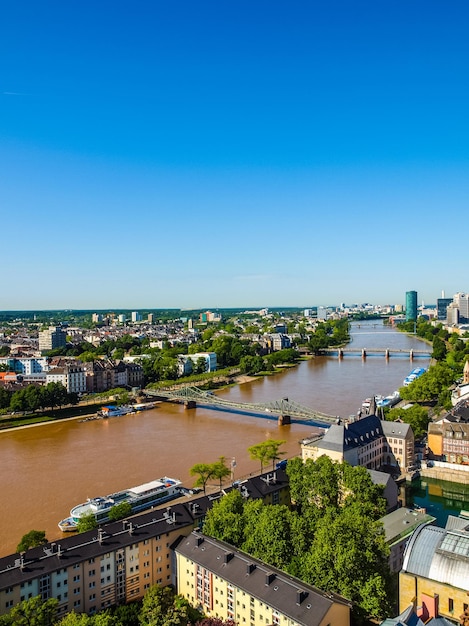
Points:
x=48 y=469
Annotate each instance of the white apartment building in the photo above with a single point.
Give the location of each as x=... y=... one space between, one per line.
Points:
x=72 y=377
x=210 y=360
x=26 y=365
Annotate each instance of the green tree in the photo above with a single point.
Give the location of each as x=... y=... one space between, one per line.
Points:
x=160 y=608
x=75 y=619
x=204 y=472
x=220 y=470
x=349 y=555
x=416 y=415
x=32 y=612
x=268 y=533
x=225 y=519
x=119 y=511
x=31 y=540
x=439 y=348
x=266 y=451
x=86 y=522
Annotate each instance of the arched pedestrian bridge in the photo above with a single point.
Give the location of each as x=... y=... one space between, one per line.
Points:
x=284 y=410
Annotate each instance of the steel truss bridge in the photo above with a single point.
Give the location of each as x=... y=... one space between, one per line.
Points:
x=193 y=396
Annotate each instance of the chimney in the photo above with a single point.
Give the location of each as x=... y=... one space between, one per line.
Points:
x=250 y=568
x=199 y=541
x=100 y=535
x=227 y=557
x=269 y=578
x=300 y=596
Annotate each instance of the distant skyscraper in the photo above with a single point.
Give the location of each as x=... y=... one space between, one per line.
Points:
x=411 y=306
x=461 y=300
x=441 y=306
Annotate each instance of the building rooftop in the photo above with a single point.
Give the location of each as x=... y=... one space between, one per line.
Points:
x=302 y=603
x=402 y=522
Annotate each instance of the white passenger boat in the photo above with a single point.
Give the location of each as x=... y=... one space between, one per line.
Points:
x=115 y=411
x=140 y=498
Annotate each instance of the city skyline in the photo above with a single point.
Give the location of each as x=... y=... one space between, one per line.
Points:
x=236 y=155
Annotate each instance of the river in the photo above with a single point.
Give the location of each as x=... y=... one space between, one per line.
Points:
x=47 y=469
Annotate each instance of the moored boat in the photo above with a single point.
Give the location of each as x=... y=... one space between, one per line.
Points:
x=414 y=374
x=140 y=498
x=115 y=411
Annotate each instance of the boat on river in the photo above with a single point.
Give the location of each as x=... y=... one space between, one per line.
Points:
x=389 y=401
x=414 y=374
x=140 y=498
x=115 y=411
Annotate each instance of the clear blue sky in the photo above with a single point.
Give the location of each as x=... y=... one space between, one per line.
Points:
x=236 y=153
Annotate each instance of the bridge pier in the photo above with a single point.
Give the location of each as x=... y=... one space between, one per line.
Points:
x=283 y=420
x=340 y=353
x=363 y=353
x=411 y=355
x=386 y=354
x=190 y=404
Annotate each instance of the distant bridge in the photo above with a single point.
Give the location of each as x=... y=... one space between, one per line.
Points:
x=385 y=352
x=285 y=410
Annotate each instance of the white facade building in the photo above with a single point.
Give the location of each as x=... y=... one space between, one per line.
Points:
x=72 y=377
x=26 y=365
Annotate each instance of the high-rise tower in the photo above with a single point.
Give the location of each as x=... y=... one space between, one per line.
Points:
x=411 y=306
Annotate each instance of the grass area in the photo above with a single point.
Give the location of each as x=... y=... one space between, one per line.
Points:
x=13 y=421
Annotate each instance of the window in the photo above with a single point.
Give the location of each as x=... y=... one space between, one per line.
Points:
x=8 y=604
x=450 y=605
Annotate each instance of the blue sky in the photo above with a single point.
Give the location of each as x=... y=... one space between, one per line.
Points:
x=215 y=154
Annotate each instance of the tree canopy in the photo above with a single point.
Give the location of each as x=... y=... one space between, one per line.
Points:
x=266 y=451
x=31 y=540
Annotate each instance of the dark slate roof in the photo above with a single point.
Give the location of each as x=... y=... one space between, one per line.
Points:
x=263 y=485
x=341 y=437
x=290 y=596
x=395 y=429
x=95 y=543
x=77 y=548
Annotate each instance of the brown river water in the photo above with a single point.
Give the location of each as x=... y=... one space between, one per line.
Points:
x=47 y=469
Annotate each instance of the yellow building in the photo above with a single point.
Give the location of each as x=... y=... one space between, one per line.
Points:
x=227 y=583
x=435 y=573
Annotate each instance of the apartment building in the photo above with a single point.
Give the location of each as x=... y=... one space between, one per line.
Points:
x=118 y=562
x=367 y=441
x=26 y=365
x=72 y=377
x=52 y=338
x=104 y=374
x=95 y=570
x=230 y=584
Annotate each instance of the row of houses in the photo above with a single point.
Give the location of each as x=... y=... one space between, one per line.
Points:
x=77 y=377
